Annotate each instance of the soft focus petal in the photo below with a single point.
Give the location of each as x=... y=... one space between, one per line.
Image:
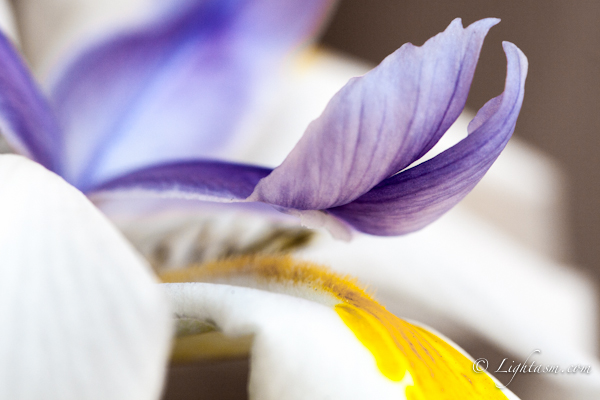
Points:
x=414 y=198
x=380 y=123
x=213 y=181
x=80 y=313
x=50 y=28
x=201 y=180
x=319 y=336
x=7 y=20
x=26 y=121
x=176 y=89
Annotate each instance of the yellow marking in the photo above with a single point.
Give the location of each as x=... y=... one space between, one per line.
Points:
x=375 y=337
x=438 y=371
x=280 y=269
x=307 y=59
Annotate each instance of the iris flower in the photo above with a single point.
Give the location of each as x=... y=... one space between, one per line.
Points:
x=87 y=321
x=127 y=120
x=349 y=171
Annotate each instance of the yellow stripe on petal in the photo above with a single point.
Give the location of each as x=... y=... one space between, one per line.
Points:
x=436 y=369
x=390 y=360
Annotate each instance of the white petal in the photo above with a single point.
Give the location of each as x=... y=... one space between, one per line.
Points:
x=302 y=349
x=80 y=314
x=317 y=335
x=461 y=273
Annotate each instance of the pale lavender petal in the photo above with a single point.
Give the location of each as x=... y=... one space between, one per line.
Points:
x=203 y=180
x=380 y=123
x=26 y=121
x=416 y=197
x=176 y=89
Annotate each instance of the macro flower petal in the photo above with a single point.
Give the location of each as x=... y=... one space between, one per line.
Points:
x=317 y=335
x=7 y=20
x=50 y=29
x=175 y=89
x=81 y=314
x=417 y=196
x=201 y=180
x=26 y=120
x=380 y=123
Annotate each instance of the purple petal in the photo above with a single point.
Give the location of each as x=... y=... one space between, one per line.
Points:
x=203 y=180
x=416 y=197
x=26 y=121
x=380 y=123
x=176 y=89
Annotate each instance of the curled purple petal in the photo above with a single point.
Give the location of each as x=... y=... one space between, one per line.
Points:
x=26 y=120
x=175 y=89
x=416 y=197
x=380 y=123
x=203 y=180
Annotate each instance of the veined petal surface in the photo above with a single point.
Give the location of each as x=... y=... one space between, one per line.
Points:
x=202 y=180
x=318 y=336
x=380 y=123
x=416 y=197
x=26 y=120
x=175 y=89
x=81 y=316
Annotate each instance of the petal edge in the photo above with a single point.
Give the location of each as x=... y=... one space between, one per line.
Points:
x=380 y=123
x=416 y=197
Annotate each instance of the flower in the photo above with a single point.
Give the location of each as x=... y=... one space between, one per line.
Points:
x=91 y=99
x=307 y=332
x=193 y=71
x=348 y=170
x=378 y=125
x=87 y=320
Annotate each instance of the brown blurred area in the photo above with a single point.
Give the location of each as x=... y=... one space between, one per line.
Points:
x=561 y=40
